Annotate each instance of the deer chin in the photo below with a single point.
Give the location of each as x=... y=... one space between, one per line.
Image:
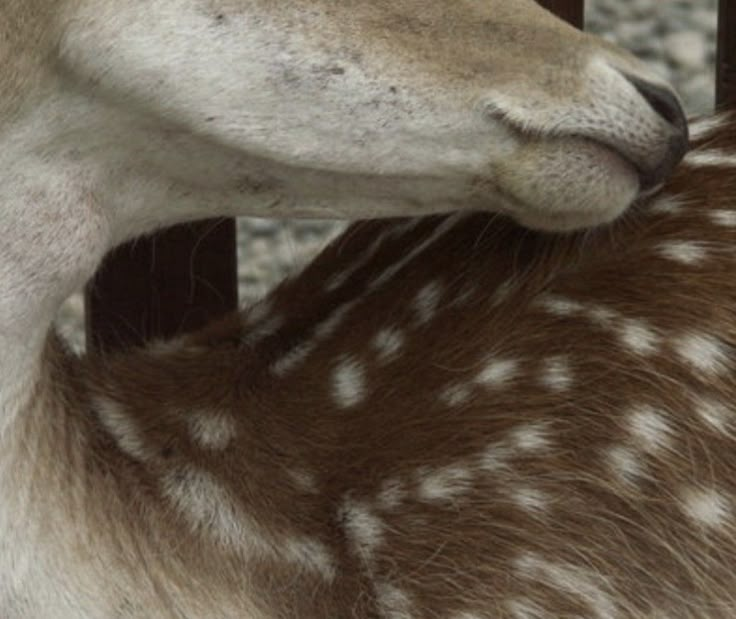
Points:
x=567 y=183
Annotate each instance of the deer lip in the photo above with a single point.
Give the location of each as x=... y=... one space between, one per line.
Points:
x=649 y=180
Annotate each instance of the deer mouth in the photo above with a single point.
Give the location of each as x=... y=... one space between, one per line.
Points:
x=652 y=160
x=566 y=183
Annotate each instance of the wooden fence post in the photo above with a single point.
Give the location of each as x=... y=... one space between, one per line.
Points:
x=571 y=10
x=173 y=282
x=726 y=63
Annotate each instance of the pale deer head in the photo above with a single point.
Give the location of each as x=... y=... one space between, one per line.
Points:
x=338 y=109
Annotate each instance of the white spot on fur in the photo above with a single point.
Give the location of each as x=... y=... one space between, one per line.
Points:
x=638 y=337
x=707 y=126
x=311 y=555
x=587 y=586
x=715 y=414
x=727 y=219
x=443 y=484
x=556 y=373
x=531 y=437
x=392 y=494
x=304 y=481
x=214 y=431
x=393 y=603
x=122 y=427
x=497 y=373
x=208 y=507
x=298 y=354
x=292 y=359
x=704 y=352
x=329 y=325
x=455 y=395
x=685 y=252
x=651 y=429
x=524 y=608
x=495 y=458
x=710 y=158
x=531 y=500
x=665 y=205
x=387 y=343
x=348 y=383
x=426 y=302
x=625 y=463
x=363 y=528
x=560 y=306
x=602 y=316
x=706 y=507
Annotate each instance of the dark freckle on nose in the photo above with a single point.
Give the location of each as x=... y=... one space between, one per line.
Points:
x=393 y=90
x=220 y=18
x=337 y=71
x=210 y=119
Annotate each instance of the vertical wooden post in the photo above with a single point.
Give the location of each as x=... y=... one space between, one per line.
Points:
x=726 y=68
x=173 y=282
x=571 y=10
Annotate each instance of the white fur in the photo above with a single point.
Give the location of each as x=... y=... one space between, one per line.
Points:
x=363 y=528
x=650 y=429
x=388 y=343
x=685 y=252
x=703 y=352
x=587 y=586
x=443 y=484
x=707 y=507
x=497 y=372
x=713 y=158
x=212 y=430
x=638 y=337
x=348 y=383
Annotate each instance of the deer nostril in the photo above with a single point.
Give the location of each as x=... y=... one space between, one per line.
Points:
x=663 y=101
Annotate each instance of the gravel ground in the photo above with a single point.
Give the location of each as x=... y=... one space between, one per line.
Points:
x=677 y=38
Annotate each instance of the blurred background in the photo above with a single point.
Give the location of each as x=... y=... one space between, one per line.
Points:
x=676 y=37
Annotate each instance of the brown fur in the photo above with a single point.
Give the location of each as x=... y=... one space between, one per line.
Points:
x=630 y=540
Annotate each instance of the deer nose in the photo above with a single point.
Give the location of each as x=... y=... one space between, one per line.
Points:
x=664 y=102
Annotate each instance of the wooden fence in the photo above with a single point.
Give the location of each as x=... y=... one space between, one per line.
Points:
x=184 y=277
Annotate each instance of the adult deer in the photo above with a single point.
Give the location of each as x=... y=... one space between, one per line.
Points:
x=340 y=450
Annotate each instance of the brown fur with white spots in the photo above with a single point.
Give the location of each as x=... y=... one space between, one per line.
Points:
x=544 y=428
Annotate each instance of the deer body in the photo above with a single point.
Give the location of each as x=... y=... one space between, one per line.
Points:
x=449 y=417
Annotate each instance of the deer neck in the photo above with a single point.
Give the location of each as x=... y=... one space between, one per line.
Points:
x=78 y=176
x=54 y=235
